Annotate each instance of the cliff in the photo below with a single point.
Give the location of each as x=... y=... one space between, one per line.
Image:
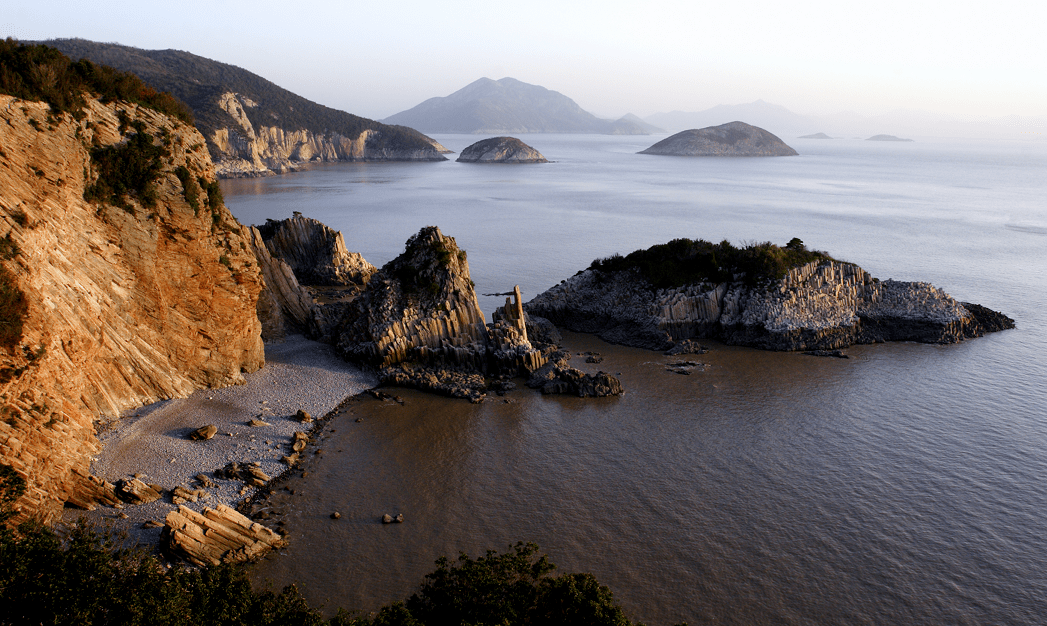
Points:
x=501 y=150
x=299 y=258
x=253 y=127
x=731 y=140
x=141 y=294
x=823 y=304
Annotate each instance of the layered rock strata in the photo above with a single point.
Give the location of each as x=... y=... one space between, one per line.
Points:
x=124 y=306
x=727 y=140
x=297 y=256
x=214 y=536
x=501 y=150
x=818 y=306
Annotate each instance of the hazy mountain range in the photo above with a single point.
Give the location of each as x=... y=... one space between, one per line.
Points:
x=508 y=105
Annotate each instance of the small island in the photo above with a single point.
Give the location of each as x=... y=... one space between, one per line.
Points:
x=501 y=150
x=815 y=136
x=734 y=139
x=886 y=138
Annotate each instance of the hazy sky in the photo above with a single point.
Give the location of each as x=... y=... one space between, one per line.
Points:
x=379 y=57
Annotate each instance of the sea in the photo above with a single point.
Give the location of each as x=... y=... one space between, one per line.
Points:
x=906 y=484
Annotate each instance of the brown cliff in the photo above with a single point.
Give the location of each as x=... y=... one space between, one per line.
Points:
x=124 y=306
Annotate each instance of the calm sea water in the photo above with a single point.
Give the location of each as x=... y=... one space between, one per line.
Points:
x=903 y=485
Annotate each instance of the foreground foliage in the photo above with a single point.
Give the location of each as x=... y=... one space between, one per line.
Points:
x=41 y=73
x=684 y=262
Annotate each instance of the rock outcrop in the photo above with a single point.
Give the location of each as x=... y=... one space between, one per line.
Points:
x=214 y=536
x=316 y=253
x=419 y=324
x=501 y=150
x=819 y=306
x=122 y=306
x=734 y=139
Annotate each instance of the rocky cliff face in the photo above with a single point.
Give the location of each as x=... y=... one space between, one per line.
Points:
x=298 y=257
x=241 y=149
x=731 y=139
x=821 y=305
x=124 y=306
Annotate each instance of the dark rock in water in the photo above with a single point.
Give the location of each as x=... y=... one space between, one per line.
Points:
x=687 y=346
x=445 y=382
x=541 y=331
x=731 y=139
x=501 y=150
x=989 y=321
x=387 y=519
x=833 y=353
x=556 y=377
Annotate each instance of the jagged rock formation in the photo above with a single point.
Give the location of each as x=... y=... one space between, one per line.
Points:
x=251 y=126
x=501 y=150
x=124 y=306
x=819 y=306
x=316 y=253
x=731 y=139
x=214 y=536
x=297 y=255
x=557 y=377
x=508 y=105
x=419 y=324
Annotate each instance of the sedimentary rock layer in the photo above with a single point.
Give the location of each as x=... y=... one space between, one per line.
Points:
x=125 y=306
x=821 y=305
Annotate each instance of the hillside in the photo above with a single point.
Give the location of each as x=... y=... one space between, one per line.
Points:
x=252 y=126
x=508 y=106
x=123 y=277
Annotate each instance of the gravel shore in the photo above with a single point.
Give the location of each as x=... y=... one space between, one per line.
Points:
x=153 y=441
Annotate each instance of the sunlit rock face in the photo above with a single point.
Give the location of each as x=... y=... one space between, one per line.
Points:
x=125 y=306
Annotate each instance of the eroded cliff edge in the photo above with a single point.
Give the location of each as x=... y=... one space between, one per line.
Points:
x=124 y=305
x=820 y=305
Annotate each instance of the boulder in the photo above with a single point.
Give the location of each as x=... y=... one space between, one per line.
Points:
x=134 y=491
x=204 y=432
x=214 y=536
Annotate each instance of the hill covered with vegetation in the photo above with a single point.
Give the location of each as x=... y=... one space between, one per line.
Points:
x=201 y=83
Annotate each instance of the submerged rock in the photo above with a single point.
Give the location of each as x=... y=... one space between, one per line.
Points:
x=501 y=150
x=731 y=139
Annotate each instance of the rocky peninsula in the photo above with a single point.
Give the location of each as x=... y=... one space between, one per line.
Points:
x=501 y=150
x=734 y=139
x=821 y=304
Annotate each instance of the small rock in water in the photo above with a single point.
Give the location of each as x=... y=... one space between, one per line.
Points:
x=336 y=515
x=387 y=519
x=399 y=518
x=834 y=353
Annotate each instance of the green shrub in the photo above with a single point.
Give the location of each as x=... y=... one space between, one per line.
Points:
x=683 y=262
x=13 y=309
x=190 y=189
x=128 y=169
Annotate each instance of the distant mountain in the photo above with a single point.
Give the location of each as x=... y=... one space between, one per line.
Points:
x=508 y=106
x=252 y=126
x=785 y=123
x=886 y=138
x=816 y=136
x=650 y=128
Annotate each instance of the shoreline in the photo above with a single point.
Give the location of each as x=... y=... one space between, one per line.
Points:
x=152 y=441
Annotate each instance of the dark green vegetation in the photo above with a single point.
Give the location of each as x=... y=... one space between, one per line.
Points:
x=200 y=82
x=127 y=170
x=684 y=262
x=42 y=73
x=83 y=577
x=13 y=309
